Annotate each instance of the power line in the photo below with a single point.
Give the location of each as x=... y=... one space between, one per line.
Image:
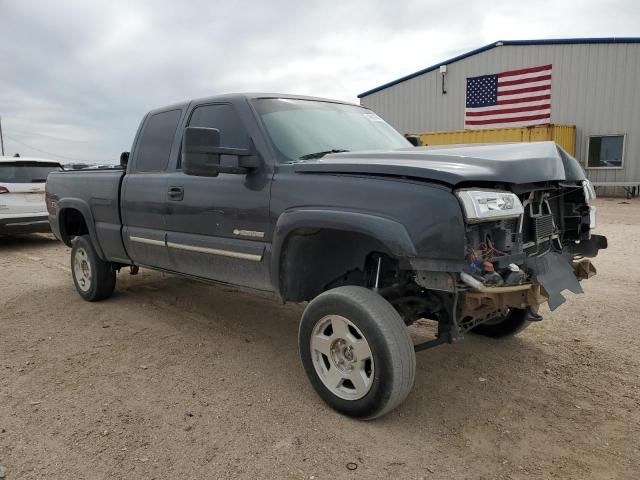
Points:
x=40 y=150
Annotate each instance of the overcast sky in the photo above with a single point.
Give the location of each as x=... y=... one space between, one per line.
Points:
x=77 y=76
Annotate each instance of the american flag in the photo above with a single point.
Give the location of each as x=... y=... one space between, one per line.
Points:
x=509 y=99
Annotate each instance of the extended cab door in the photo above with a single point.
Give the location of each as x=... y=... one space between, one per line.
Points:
x=218 y=227
x=144 y=190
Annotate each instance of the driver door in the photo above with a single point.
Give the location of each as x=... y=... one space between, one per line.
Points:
x=218 y=227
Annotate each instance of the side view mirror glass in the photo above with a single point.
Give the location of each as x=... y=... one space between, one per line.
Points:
x=201 y=152
x=198 y=157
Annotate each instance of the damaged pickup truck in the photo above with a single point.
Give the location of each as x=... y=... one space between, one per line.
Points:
x=318 y=201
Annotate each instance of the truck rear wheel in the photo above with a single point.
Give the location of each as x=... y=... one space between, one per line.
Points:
x=357 y=352
x=507 y=325
x=94 y=278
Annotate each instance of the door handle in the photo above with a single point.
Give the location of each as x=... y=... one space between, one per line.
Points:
x=175 y=193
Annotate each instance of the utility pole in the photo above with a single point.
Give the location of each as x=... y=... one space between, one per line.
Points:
x=1 y=138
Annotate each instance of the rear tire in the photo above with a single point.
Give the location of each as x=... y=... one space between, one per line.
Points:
x=357 y=352
x=513 y=323
x=94 y=278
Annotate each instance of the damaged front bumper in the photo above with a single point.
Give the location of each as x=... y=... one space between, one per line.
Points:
x=553 y=274
x=516 y=260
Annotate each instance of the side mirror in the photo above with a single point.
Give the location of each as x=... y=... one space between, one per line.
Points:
x=124 y=159
x=201 y=152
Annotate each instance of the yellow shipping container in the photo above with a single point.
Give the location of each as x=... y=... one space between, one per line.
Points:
x=563 y=135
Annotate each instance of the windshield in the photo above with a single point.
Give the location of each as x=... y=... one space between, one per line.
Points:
x=306 y=129
x=26 y=172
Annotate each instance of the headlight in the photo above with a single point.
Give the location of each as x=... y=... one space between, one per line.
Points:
x=592 y=217
x=486 y=205
x=589 y=191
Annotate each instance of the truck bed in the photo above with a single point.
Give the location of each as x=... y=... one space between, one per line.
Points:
x=97 y=192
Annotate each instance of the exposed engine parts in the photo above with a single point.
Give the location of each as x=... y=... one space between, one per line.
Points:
x=513 y=263
x=554 y=220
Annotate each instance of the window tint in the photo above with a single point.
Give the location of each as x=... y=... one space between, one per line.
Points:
x=23 y=172
x=156 y=141
x=606 y=151
x=225 y=119
x=301 y=129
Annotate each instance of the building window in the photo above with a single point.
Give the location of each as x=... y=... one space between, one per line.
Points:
x=605 y=151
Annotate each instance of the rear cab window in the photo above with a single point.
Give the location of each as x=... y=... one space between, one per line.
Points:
x=27 y=172
x=156 y=141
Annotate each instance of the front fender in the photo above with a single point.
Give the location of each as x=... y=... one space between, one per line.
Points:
x=390 y=233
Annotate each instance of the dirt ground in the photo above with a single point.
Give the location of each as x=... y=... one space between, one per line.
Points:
x=175 y=379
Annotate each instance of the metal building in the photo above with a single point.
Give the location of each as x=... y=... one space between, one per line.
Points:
x=595 y=86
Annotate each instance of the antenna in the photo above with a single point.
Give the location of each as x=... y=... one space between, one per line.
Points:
x=1 y=139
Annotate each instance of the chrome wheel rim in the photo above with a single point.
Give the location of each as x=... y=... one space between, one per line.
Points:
x=82 y=269
x=342 y=357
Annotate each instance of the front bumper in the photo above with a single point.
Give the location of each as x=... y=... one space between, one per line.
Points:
x=479 y=306
x=24 y=224
x=482 y=302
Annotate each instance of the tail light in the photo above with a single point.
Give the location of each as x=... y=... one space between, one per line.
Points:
x=4 y=189
x=51 y=204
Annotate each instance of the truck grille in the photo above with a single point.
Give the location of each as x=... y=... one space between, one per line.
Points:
x=543 y=226
x=537 y=249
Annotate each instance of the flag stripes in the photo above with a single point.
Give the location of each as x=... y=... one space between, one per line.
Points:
x=513 y=98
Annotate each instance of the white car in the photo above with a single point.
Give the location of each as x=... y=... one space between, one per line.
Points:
x=22 y=203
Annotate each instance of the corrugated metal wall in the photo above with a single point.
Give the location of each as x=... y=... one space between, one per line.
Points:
x=594 y=86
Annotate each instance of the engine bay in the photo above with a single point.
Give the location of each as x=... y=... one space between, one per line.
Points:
x=555 y=220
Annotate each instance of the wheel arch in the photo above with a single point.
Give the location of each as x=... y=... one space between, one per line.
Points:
x=338 y=231
x=75 y=219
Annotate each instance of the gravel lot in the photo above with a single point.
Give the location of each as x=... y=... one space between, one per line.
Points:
x=174 y=379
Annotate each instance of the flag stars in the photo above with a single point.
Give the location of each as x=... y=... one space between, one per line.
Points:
x=482 y=91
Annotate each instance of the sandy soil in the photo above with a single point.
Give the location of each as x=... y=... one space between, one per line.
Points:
x=174 y=379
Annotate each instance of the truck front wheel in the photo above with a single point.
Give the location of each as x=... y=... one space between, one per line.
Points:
x=94 y=278
x=357 y=352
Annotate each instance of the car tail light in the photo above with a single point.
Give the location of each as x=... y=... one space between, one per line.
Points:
x=4 y=189
x=51 y=204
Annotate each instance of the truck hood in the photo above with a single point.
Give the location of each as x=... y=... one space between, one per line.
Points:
x=514 y=163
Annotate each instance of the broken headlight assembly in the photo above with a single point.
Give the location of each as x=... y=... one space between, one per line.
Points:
x=487 y=205
x=589 y=197
x=589 y=191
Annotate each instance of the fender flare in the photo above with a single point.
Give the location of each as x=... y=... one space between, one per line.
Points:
x=390 y=233
x=85 y=210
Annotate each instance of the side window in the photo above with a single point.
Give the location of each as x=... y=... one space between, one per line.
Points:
x=225 y=119
x=156 y=141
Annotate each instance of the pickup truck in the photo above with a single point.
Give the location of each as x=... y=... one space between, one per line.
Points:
x=320 y=201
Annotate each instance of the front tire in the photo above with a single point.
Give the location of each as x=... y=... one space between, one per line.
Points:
x=357 y=352
x=514 y=322
x=94 y=278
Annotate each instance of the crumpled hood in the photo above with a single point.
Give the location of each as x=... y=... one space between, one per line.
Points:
x=514 y=163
